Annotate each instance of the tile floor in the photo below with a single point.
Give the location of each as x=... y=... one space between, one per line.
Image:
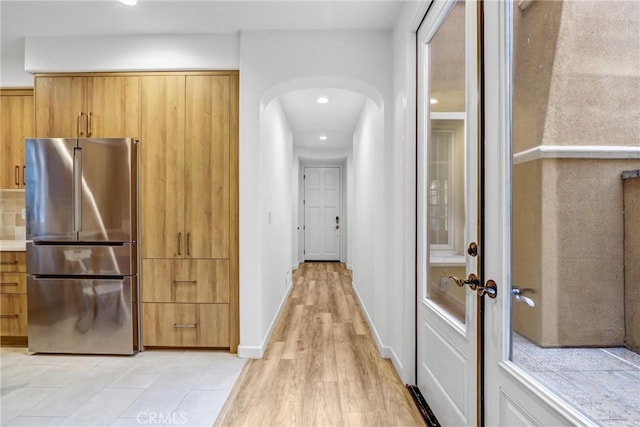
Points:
x=153 y=388
x=603 y=383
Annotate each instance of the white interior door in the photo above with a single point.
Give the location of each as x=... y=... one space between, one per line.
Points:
x=447 y=329
x=322 y=213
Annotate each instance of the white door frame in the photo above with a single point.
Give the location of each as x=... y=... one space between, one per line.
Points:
x=341 y=164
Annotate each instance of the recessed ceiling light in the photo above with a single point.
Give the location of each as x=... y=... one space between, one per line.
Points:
x=322 y=100
x=323 y=137
x=128 y=2
x=434 y=101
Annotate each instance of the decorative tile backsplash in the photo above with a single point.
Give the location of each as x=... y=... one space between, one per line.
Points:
x=12 y=224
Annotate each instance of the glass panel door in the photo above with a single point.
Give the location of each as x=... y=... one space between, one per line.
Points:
x=576 y=120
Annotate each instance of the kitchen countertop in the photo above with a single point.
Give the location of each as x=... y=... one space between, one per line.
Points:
x=12 y=245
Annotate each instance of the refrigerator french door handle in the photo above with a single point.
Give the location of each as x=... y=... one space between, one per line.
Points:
x=77 y=189
x=80 y=114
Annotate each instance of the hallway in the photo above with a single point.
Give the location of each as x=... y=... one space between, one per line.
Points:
x=321 y=366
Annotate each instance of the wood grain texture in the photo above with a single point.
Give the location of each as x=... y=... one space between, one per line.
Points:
x=185 y=325
x=207 y=166
x=58 y=101
x=188 y=280
x=320 y=369
x=13 y=261
x=234 y=215
x=162 y=167
x=13 y=315
x=114 y=104
x=16 y=124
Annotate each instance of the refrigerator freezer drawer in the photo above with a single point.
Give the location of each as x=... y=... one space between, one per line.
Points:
x=91 y=316
x=81 y=260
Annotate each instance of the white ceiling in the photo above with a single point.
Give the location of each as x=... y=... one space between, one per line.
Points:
x=308 y=119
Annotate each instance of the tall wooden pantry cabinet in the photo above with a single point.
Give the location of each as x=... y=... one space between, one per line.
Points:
x=190 y=208
x=187 y=123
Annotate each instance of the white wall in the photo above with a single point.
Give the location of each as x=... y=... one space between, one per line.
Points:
x=12 y=72
x=369 y=236
x=276 y=146
x=403 y=172
x=132 y=53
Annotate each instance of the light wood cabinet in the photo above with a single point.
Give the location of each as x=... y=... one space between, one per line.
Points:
x=13 y=262
x=186 y=325
x=188 y=159
x=192 y=281
x=188 y=193
x=13 y=298
x=16 y=110
x=87 y=106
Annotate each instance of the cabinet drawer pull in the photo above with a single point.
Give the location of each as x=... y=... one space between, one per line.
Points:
x=8 y=283
x=16 y=175
x=9 y=316
x=179 y=243
x=175 y=282
x=189 y=244
x=185 y=325
x=89 y=123
x=9 y=263
x=24 y=175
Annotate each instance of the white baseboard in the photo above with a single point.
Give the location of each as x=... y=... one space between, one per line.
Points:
x=250 y=352
x=254 y=351
x=350 y=267
x=385 y=351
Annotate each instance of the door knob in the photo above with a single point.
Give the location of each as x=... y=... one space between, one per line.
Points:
x=490 y=288
x=472 y=281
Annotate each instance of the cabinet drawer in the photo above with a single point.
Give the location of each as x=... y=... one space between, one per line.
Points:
x=185 y=325
x=13 y=283
x=13 y=315
x=13 y=261
x=187 y=281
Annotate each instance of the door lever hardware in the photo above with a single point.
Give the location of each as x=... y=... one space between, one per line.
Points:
x=472 y=250
x=490 y=289
x=518 y=295
x=472 y=281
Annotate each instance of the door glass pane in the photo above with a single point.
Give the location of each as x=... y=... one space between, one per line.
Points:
x=576 y=247
x=446 y=165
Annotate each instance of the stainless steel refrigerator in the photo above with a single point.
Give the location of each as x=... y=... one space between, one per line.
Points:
x=81 y=207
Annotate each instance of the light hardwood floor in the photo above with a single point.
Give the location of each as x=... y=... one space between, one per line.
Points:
x=321 y=367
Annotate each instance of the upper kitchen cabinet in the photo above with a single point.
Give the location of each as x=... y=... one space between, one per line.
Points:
x=189 y=134
x=16 y=109
x=85 y=106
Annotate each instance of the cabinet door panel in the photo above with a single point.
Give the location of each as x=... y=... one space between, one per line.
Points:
x=13 y=315
x=13 y=283
x=185 y=325
x=13 y=261
x=202 y=280
x=17 y=124
x=162 y=167
x=58 y=102
x=207 y=166
x=114 y=104
x=187 y=281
